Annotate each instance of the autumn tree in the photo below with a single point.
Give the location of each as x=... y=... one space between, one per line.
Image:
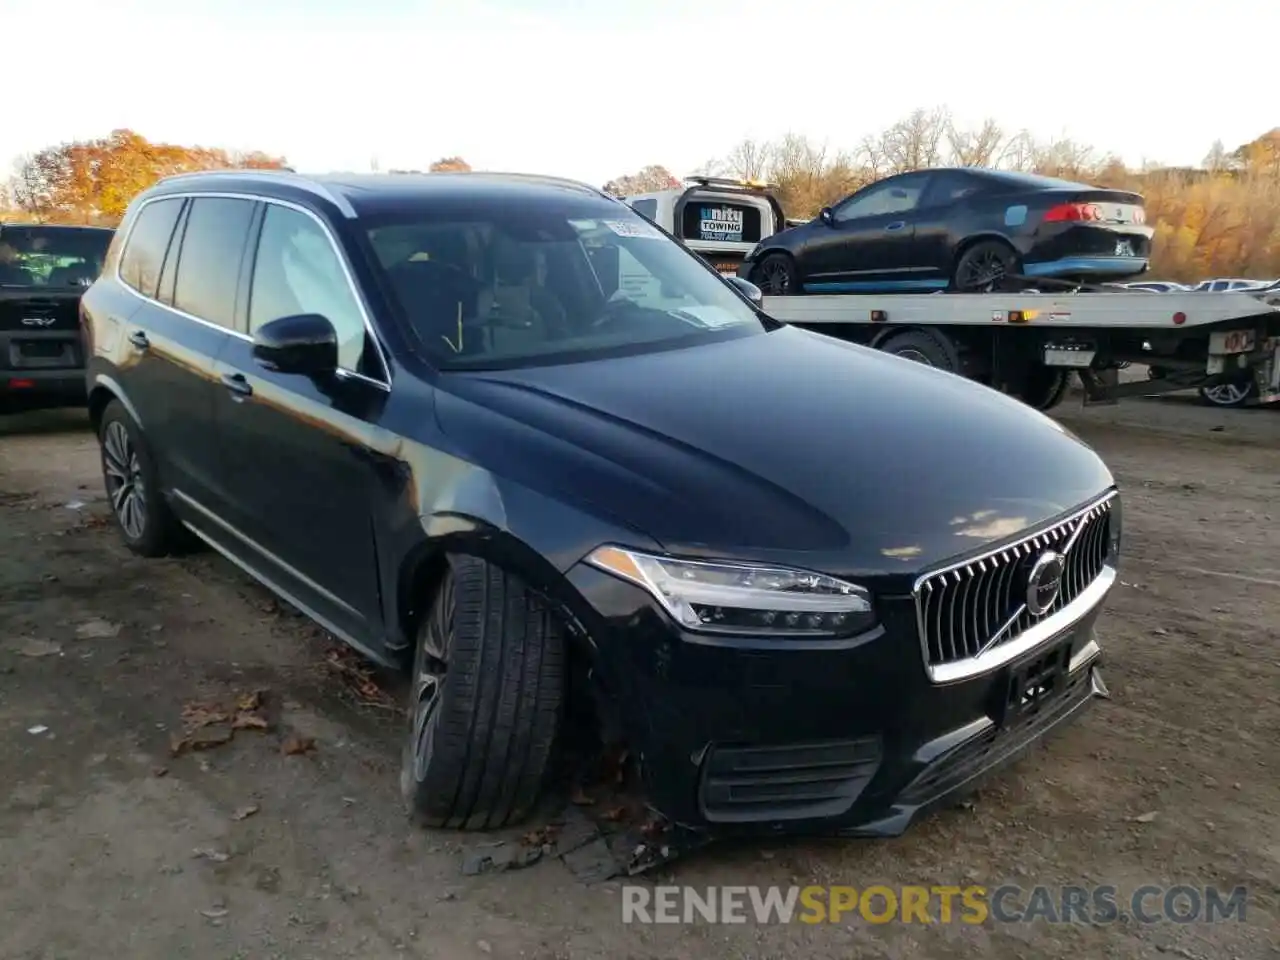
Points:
x=450 y=165
x=93 y=181
x=648 y=179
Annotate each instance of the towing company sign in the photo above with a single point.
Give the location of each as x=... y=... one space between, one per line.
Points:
x=721 y=223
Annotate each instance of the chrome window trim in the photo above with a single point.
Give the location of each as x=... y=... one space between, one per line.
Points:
x=1052 y=627
x=290 y=205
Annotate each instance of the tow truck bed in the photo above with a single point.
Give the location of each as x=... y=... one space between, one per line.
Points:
x=1191 y=339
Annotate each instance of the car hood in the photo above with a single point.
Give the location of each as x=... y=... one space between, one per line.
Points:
x=780 y=444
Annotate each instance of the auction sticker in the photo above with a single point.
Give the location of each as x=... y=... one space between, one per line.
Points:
x=631 y=228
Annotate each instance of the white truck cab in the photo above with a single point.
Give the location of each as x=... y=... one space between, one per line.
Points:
x=717 y=218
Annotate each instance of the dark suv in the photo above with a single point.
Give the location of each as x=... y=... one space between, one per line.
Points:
x=504 y=432
x=43 y=272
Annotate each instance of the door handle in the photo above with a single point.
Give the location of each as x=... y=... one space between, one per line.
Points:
x=139 y=340
x=896 y=225
x=237 y=384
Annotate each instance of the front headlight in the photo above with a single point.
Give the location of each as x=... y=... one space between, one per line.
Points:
x=742 y=598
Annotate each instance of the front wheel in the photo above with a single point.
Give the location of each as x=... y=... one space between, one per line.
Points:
x=485 y=701
x=775 y=275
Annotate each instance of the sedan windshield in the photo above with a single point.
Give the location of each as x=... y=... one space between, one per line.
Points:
x=36 y=256
x=539 y=285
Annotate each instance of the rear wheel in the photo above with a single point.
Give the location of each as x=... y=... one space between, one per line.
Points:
x=1237 y=393
x=1045 y=387
x=984 y=267
x=485 y=702
x=144 y=519
x=775 y=275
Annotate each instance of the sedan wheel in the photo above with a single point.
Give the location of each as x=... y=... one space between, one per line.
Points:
x=775 y=275
x=984 y=268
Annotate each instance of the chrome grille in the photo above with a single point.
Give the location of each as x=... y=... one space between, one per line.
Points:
x=978 y=605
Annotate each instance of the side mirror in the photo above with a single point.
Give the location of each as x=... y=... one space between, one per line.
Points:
x=747 y=289
x=826 y=216
x=306 y=344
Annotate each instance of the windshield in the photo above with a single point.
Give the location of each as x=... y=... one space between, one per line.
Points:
x=541 y=284
x=34 y=256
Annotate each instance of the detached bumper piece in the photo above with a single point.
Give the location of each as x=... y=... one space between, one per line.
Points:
x=994 y=746
x=791 y=782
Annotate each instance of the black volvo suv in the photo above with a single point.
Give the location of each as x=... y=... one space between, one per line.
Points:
x=504 y=432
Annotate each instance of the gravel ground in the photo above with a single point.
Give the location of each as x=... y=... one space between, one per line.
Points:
x=305 y=852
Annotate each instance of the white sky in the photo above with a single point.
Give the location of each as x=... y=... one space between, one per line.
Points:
x=596 y=90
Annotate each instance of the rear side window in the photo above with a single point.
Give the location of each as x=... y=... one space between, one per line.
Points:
x=144 y=251
x=209 y=266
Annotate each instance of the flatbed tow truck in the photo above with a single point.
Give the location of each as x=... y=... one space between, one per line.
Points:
x=1028 y=344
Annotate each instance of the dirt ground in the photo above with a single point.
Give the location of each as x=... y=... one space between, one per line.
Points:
x=111 y=846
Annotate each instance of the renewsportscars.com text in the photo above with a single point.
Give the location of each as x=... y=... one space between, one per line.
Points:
x=1007 y=903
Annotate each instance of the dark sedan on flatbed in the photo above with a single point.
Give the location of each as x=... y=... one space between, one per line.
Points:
x=962 y=229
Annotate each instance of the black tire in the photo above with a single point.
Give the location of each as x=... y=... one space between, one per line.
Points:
x=776 y=276
x=486 y=700
x=146 y=524
x=1045 y=387
x=923 y=346
x=984 y=267
x=1237 y=393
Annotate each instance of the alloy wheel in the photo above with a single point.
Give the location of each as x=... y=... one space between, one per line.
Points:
x=984 y=272
x=126 y=488
x=775 y=279
x=428 y=679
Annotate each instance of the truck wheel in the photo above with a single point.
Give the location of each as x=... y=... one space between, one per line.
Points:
x=923 y=346
x=1045 y=388
x=776 y=276
x=485 y=701
x=983 y=268
x=1237 y=393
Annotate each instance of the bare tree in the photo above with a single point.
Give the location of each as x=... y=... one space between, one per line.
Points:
x=976 y=148
x=916 y=141
x=750 y=159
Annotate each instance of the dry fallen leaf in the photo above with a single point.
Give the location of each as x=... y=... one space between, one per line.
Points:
x=296 y=746
x=245 y=812
x=615 y=814
x=579 y=797
x=35 y=647
x=97 y=629
x=203 y=714
x=178 y=744
x=1145 y=817
x=249 y=721
x=250 y=701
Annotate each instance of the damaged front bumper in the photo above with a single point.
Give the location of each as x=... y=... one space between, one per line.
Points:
x=855 y=741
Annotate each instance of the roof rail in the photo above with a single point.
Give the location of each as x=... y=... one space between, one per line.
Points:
x=300 y=180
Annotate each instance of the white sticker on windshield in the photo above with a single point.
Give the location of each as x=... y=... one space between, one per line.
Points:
x=633 y=228
x=710 y=316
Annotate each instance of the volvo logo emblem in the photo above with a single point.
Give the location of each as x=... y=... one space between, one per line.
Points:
x=1044 y=583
